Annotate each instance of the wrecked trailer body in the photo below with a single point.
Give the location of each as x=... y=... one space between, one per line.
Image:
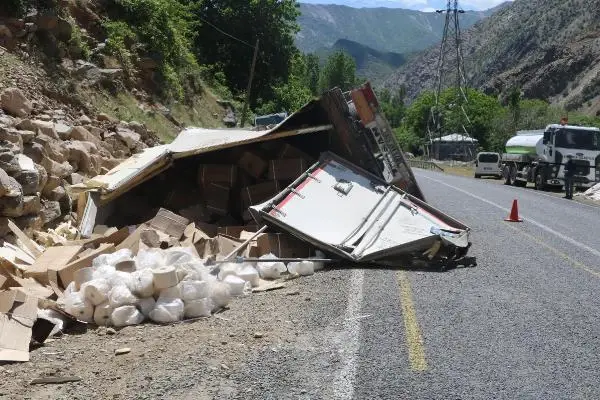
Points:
x=213 y=176
x=344 y=210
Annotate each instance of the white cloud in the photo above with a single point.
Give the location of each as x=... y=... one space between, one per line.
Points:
x=427 y=9
x=480 y=4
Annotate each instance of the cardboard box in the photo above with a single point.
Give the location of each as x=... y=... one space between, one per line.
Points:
x=235 y=231
x=17 y=316
x=287 y=169
x=216 y=197
x=67 y=272
x=288 y=151
x=223 y=174
x=170 y=223
x=259 y=193
x=50 y=258
x=285 y=246
x=252 y=164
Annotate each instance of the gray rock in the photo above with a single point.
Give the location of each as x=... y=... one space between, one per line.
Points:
x=15 y=103
x=11 y=135
x=52 y=183
x=66 y=205
x=9 y=161
x=29 y=181
x=35 y=151
x=55 y=149
x=50 y=211
x=82 y=134
x=43 y=178
x=31 y=205
x=26 y=136
x=29 y=223
x=63 y=130
x=75 y=179
x=12 y=202
x=129 y=137
x=61 y=170
x=5 y=183
x=57 y=193
x=84 y=120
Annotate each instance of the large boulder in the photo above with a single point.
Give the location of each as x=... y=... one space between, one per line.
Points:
x=28 y=176
x=5 y=183
x=57 y=193
x=43 y=177
x=12 y=202
x=11 y=135
x=55 y=149
x=81 y=155
x=51 y=183
x=63 y=130
x=82 y=134
x=31 y=205
x=35 y=151
x=9 y=161
x=26 y=136
x=15 y=103
x=50 y=211
x=129 y=137
x=61 y=170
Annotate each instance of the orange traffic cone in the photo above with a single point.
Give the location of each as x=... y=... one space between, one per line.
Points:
x=514 y=213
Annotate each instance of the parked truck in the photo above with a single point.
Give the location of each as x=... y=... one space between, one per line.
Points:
x=539 y=156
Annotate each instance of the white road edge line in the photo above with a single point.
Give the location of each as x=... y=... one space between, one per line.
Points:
x=345 y=378
x=518 y=189
x=534 y=222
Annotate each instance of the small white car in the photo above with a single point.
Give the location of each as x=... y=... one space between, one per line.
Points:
x=488 y=164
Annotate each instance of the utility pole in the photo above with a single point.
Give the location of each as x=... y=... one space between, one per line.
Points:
x=450 y=73
x=247 y=103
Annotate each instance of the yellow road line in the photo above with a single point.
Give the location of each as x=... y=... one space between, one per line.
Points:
x=575 y=263
x=414 y=340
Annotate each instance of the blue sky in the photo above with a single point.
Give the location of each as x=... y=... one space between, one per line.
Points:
x=423 y=5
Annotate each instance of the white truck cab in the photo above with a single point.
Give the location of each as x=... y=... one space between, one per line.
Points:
x=488 y=164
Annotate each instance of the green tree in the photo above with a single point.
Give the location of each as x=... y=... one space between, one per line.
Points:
x=313 y=71
x=272 y=22
x=339 y=71
x=292 y=94
x=393 y=106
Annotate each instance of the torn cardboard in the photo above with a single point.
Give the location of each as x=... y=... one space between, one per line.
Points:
x=170 y=223
x=18 y=313
x=50 y=258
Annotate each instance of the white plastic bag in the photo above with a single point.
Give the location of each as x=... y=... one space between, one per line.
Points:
x=79 y=307
x=270 y=269
x=167 y=310
x=171 y=293
x=236 y=285
x=96 y=291
x=149 y=259
x=121 y=296
x=192 y=290
x=220 y=295
x=146 y=305
x=126 y=315
x=179 y=255
x=120 y=278
x=227 y=269
x=104 y=272
x=142 y=283
x=102 y=314
x=197 y=308
x=113 y=258
x=302 y=268
x=248 y=273
x=165 y=277
x=55 y=317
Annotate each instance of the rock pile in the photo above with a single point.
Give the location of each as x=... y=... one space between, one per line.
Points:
x=43 y=151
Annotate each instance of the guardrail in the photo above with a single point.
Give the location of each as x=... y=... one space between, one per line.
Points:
x=424 y=164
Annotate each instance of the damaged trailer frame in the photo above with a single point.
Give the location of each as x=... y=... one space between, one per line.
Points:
x=344 y=210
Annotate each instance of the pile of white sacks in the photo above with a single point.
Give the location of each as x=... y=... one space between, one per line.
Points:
x=164 y=286
x=593 y=193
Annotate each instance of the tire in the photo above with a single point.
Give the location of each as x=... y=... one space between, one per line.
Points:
x=477 y=176
x=520 y=183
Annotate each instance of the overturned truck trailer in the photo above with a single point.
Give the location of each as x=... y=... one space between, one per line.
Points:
x=344 y=210
x=222 y=177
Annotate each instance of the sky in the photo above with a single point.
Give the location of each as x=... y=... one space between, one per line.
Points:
x=422 y=5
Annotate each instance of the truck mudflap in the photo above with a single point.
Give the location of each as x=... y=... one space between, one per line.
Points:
x=346 y=211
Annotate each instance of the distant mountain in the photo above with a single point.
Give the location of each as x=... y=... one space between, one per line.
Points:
x=549 y=48
x=385 y=29
x=374 y=64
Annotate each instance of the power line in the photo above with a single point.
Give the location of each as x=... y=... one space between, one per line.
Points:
x=225 y=33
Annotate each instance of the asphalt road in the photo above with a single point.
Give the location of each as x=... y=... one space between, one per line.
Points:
x=522 y=324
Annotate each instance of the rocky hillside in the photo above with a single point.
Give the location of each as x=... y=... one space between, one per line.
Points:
x=549 y=48
x=385 y=29
x=64 y=119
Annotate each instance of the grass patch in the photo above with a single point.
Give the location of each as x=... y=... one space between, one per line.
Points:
x=203 y=112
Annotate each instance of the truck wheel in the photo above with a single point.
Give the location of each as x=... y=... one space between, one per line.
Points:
x=520 y=183
x=539 y=182
x=477 y=176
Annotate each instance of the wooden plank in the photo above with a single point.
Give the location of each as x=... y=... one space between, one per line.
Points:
x=29 y=244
